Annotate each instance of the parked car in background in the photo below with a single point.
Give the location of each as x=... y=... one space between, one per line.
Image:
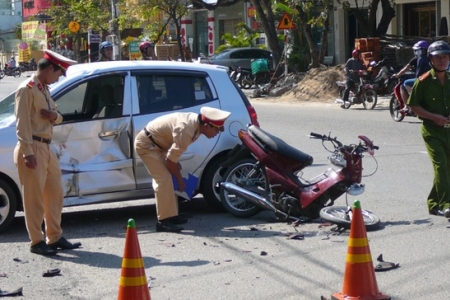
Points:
x=241 y=57
x=104 y=106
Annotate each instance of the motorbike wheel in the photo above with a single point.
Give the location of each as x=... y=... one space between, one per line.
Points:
x=246 y=82
x=341 y=216
x=2 y=74
x=17 y=73
x=238 y=174
x=370 y=99
x=394 y=109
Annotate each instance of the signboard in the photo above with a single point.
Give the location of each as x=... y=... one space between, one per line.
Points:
x=74 y=26
x=33 y=31
x=134 y=50
x=95 y=38
x=285 y=22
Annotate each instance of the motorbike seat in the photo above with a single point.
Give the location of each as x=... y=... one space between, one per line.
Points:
x=273 y=143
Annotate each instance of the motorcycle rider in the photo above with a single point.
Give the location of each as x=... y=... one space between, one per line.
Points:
x=420 y=64
x=352 y=66
x=147 y=50
x=430 y=102
x=11 y=64
x=106 y=51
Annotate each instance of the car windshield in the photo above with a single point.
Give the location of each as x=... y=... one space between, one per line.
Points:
x=7 y=110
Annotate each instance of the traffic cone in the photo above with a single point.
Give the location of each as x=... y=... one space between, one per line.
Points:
x=359 y=277
x=133 y=282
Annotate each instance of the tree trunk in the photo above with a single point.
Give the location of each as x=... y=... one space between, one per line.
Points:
x=309 y=38
x=265 y=14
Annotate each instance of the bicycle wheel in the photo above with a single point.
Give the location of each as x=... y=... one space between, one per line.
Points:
x=370 y=99
x=342 y=216
x=394 y=109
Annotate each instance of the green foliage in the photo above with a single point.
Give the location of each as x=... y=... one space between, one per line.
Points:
x=245 y=37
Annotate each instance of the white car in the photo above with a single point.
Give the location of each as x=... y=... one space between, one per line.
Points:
x=104 y=106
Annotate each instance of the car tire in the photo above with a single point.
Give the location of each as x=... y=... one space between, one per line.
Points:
x=210 y=188
x=8 y=205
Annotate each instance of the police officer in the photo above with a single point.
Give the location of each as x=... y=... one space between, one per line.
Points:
x=147 y=50
x=106 y=51
x=430 y=100
x=160 y=145
x=37 y=164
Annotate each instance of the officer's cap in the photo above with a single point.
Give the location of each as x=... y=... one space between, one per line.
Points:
x=215 y=117
x=63 y=62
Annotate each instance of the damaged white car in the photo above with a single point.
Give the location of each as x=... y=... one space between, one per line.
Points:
x=104 y=106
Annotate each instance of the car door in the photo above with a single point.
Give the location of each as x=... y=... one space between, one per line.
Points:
x=93 y=142
x=160 y=92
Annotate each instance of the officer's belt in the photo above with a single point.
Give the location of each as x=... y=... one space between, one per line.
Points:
x=147 y=133
x=41 y=139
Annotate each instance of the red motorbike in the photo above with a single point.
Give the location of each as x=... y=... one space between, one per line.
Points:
x=264 y=172
x=397 y=105
x=362 y=93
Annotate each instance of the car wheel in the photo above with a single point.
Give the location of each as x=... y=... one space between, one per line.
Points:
x=8 y=205
x=210 y=188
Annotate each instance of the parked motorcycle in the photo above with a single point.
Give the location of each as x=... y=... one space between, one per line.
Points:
x=10 y=72
x=397 y=105
x=264 y=172
x=362 y=93
x=28 y=66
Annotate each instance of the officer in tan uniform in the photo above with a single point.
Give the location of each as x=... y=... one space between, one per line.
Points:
x=37 y=164
x=160 y=145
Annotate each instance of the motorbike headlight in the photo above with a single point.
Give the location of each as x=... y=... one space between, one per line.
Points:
x=338 y=160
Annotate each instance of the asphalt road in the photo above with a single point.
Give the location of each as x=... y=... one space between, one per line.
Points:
x=222 y=257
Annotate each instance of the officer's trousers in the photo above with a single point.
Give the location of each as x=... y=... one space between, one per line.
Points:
x=166 y=200
x=437 y=142
x=42 y=193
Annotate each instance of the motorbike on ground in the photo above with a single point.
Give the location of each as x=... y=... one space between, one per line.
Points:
x=362 y=93
x=264 y=172
x=28 y=66
x=397 y=105
x=10 y=72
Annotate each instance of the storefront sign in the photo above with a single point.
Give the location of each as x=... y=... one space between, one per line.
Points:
x=33 y=31
x=134 y=52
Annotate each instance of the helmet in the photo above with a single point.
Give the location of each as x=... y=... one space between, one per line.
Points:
x=421 y=45
x=355 y=53
x=439 y=47
x=144 y=45
x=104 y=45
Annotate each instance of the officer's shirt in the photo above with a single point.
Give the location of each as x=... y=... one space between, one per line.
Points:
x=31 y=97
x=175 y=132
x=430 y=94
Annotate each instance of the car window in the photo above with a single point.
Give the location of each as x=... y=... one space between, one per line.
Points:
x=239 y=54
x=161 y=93
x=101 y=97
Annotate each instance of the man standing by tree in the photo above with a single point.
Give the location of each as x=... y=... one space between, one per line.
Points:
x=106 y=51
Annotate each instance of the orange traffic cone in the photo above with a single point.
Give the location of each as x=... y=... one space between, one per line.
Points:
x=359 y=277
x=133 y=282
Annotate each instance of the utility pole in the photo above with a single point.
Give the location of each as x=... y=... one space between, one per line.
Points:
x=114 y=30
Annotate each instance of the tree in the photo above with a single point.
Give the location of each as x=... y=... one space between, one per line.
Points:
x=90 y=14
x=368 y=21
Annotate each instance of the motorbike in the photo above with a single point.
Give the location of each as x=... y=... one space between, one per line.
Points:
x=28 y=66
x=397 y=105
x=383 y=81
x=362 y=93
x=10 y=72
x=266 y=173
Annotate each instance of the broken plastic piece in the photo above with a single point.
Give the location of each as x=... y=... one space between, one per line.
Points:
x=51 y=273
x=17 y=292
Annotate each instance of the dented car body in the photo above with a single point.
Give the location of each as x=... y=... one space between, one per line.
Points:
x=104 y=106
